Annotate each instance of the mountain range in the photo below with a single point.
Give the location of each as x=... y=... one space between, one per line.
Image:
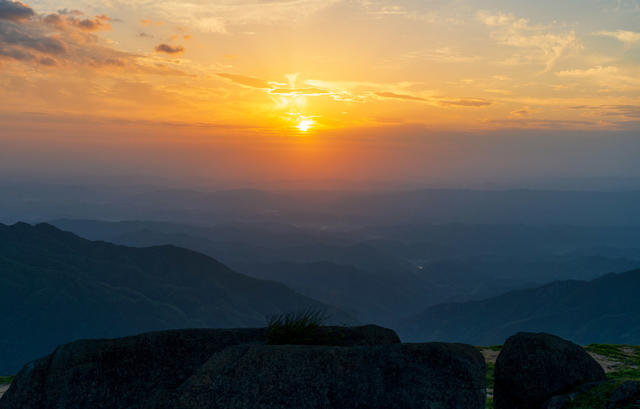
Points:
x=56 y=287
x=604 y=310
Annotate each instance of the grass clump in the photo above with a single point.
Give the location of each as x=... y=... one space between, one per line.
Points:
x=6 y=379
x=297 y=328
x=490 y=376
x=627 y=356
x=596 y=397
x=496 y=348
x=615 y=352
x=490 y=381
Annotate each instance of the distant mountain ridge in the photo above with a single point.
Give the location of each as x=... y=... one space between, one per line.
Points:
x=56 y=287
x=384 y=274
x=604 y=310
x=342 y=208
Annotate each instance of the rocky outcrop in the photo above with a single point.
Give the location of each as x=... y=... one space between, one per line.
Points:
x=336 y=336
x=359 y=367
x=119 y=373
x=625 y=394
x=533 y=368
x=392 y=376
x=562 y=401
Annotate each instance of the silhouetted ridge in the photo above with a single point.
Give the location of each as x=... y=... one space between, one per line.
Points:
x=604 y=310
x=56 y=287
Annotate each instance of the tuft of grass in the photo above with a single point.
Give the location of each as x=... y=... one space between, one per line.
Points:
x=298 y=328
x=628 y=356
x=625 y=374
x=614 y=352
x=6 y=379
x=497 y=348
x=490 y=376
x=596 y=397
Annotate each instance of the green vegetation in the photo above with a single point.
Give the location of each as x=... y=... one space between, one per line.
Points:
x=597 y=397
x=6 y=379
x=490 y=375
x=627 y=354
x=625 y=357
x=298 y=328
x=491 y=348
x=489 y=403
x=491 y=368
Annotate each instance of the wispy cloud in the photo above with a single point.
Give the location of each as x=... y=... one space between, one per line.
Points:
x=594 y=72
x=627 y=37
x=441 y=54
x=219 y=16
x=246 y=80
x=64 y=22
x=606 y=77
x=292 y=92
x=438 y=100
x=543 y=123
x=625 y=111
x=406 y=97
x=543 y=45
x=466 y=102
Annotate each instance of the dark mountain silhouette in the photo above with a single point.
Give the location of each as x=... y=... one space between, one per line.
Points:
x=604 y=310
x=56 y=287
x=370 y=297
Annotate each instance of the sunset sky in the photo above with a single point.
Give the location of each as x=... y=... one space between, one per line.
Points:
x=317 y=90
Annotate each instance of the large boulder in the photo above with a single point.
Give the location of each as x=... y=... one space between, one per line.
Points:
x=133 y=371
x=366 y=367
x=335 y=336
x=119 y=373
x=426 y=376
x=623 y=395
x=532 y=368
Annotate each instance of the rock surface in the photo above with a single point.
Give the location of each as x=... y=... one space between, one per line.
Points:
x=119 y=373
x=624 y=394
x=353 y=367
x=562 y=401
x=343 y=336
x=532 y=368
x=404 y=376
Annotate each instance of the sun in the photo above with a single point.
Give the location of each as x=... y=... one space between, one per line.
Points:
x=305 y=124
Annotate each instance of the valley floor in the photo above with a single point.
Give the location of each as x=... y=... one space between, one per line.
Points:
x=3 y=389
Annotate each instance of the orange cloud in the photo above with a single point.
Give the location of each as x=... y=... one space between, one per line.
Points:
x=63 y=22
x=169 y=49
x=246 y=81
x=472 y=102
x=393 y=95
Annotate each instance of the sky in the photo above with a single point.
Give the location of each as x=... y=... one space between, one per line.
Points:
x=321 y=93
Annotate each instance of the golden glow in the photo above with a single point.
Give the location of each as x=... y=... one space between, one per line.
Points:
x=526 y=67
x=305 y=124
